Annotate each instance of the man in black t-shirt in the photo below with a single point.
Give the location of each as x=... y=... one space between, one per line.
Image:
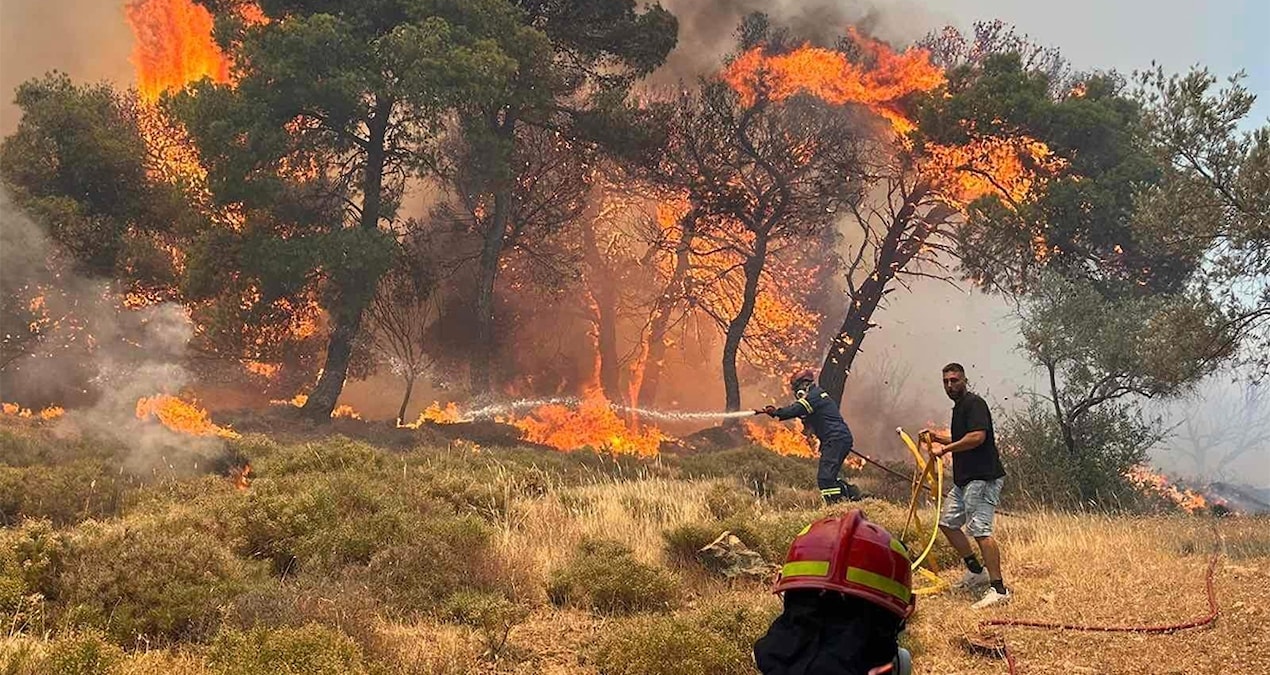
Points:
x=977 y=478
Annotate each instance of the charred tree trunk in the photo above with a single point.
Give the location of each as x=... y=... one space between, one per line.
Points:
x=903 y=241
x=359 y=289
x=651 y=360
x=736 y=327
x=603 y=296
x=491 y=254
x=405 y=399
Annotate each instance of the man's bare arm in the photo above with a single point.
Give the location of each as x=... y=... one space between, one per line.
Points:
x=970 y=441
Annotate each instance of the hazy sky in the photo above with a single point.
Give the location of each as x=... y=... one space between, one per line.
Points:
x=1224 y=35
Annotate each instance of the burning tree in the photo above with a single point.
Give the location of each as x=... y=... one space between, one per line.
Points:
x=761 y=176
x=319 y=132
x=576 y=60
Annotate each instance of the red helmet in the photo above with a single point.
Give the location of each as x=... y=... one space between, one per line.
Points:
x=805 y=374
x=848 y=554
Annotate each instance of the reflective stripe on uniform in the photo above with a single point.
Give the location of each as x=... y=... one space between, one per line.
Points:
x=805 y=404
x=831 y=491
x=880 y=583
x=806 y=568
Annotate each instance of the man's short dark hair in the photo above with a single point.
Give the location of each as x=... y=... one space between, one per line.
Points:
x=954 y=368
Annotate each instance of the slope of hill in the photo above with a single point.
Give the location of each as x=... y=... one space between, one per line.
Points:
x=345 y=557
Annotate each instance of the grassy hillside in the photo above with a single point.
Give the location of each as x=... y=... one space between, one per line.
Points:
x=346 y=557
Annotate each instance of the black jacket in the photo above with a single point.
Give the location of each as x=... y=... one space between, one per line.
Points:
x=827 y=634
x=818 y=410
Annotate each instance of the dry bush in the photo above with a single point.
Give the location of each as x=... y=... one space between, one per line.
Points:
x=492 y=615
x=668 y=646
x=442 y=556
x=63 y=493
x=604 y=576
x=725 y=500
x=345 y=607
x=310 y=650
x=81 y=653
x=761 y=471
x=683 y=542
x=142 y=581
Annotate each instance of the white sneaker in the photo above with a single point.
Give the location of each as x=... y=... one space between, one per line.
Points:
x=992 y=597
x=972 y=580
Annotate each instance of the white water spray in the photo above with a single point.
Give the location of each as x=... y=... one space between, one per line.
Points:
x=675 y=416
x=502 y=409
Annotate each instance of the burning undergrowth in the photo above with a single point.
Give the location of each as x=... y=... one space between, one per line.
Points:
x=126 y=362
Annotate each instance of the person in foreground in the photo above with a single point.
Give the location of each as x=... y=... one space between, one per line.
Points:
x=977 y=479
x=819 y=411
x=847 y=593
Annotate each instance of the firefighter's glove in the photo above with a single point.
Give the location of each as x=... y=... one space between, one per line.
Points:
x=768 y=410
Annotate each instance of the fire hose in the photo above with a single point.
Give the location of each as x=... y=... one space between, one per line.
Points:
x=935 y=483
x=1200 y=622
x=923 y=479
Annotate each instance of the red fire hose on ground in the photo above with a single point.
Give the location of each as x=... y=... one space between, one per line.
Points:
x=1205 y=620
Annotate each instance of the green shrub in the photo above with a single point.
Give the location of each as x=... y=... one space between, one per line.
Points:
x=64 y=493
x=604 y=576
x=320 y=522
x=464 y=494
x=345 y=607
x=332 y=454
x=668 y=646
x=144 y=581
x=35 y=555
x=742 y=625
x=82 y=653
x=683 y=542
x=308 y=650
x=492 y=615
x=725 y=501
x=32 y=447
x=441 y=556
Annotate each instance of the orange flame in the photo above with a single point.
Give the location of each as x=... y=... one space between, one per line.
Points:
x=346 y=411
x=181 y=416
x=593 y=425
x=174 y=46
x=991 y=165
x=47 y=414
x=1148 y=480
x=828 y=75
x=779 y=438
x=241 y=476
x=436 y=414
x=343 y=410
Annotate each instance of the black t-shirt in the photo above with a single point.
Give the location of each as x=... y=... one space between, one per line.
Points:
x=981 y=463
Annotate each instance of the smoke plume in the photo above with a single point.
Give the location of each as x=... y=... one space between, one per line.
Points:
x=110 y=356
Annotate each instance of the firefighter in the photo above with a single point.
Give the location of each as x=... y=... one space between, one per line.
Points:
x=819 y=411
x=847 y=593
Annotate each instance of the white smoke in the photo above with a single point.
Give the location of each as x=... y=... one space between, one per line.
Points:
x=133 y=353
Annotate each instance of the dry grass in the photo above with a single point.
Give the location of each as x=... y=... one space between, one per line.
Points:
x=1072 y=568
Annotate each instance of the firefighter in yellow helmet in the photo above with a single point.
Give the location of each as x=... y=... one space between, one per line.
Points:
x=847 y=592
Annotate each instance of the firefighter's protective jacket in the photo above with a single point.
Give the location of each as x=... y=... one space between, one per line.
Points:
x=818 y=410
